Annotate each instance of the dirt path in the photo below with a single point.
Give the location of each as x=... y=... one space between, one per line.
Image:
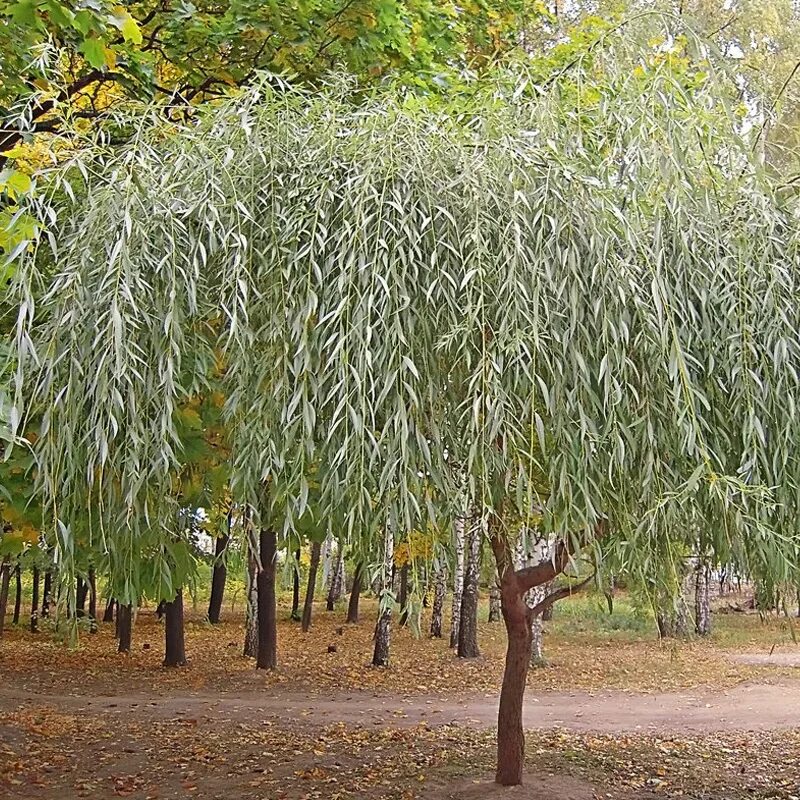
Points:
x=745 y=707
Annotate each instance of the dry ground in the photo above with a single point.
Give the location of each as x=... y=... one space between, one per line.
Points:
x=616 y=714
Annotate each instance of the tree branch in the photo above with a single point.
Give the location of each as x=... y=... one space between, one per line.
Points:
x=559 y=594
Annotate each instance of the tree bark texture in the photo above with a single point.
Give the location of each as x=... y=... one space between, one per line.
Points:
x=458 y=579
x=46 y=592
x=439 y=589
x=92 y=586
x=296 y=587
x=251 y=619
x=403 y=599
x=380 y=655
x=17 y=594
x=468 y=624
x=337 y=579
x=5 y=579
x=108 y=614
x=35 y=601
x=174 y=650
x=124 y=627
x=308 y=606
x=494 y=602
x=81 y=590
x=702 y=606
x=355 y=594
x=218 y=577
x=267 y=613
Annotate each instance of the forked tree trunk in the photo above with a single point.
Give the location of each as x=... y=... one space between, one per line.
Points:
x=46 y=591
x=403 y=599
x=439 y=589
x=5 y=578
x=124 y=627
x=92 y=601
x=702 y=606
x=251 y=618
x=355 y=594
x=267 y=613
x=458 y=579
x=296 y=587
x=17 y=594
x=35 y=601
x=494 y=602
x=312 y=582
x=218 y=577
x=468 y=625
x=108 y=614
x=380 y=655
x=335 y=591
x=174 y=651
x=510 y=734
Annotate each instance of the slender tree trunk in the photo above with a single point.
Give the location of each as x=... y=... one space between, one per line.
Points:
x=335 y=592
x=296 y=587
x=174 y=652
x=35 y=601
x=326 y=559
x=81 y=590
x=439 y=589
x=251 y=620
x=494 y=602
x=17 y=594
x=510 y=734
x=702 y=605
x=5 y=579
x=380 y=655
x=108 y=614
x=92 y=601
x=267 y=613
x=46 y=590
x=468 y=625
x=312 y=582
x=458 y=579
x=403 y=599
x=355 y=593
x=547 y=614
x=218 y=577
x=124 y=627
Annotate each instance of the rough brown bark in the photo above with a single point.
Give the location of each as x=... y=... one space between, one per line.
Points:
x=17 y=594
x=510 y=734
x=355 y=594
x=403 y=599
x=218 y=577
x=439 y=589
x=296 y=587
x=5 y=578
x=468 y=624
x=312 y=581
x=174 y=651
x=35 y=601
x=124 y=627
x=267 y=657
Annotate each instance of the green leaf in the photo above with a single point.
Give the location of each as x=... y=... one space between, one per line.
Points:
x=94 y=51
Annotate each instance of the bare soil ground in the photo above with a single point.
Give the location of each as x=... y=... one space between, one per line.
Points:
x=690 y=722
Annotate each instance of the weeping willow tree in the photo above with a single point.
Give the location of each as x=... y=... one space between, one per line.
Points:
x=582 y=282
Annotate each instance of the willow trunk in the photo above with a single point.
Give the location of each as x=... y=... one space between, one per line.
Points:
x=174 y=649
x=218 y=578
x=312 y=582
x=267 y=657
x=355 y=594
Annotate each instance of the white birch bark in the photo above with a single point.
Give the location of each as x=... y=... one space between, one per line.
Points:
x=458 y=579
